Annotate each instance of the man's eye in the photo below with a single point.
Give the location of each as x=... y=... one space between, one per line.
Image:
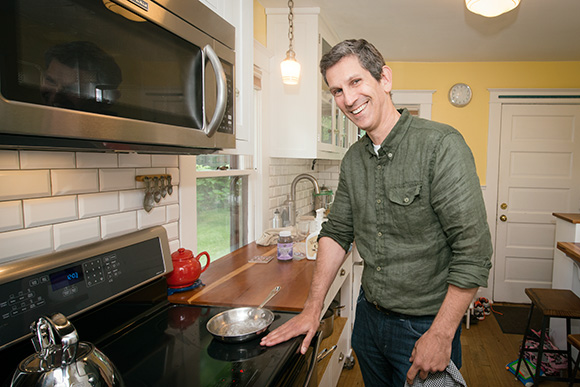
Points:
x=336 y=92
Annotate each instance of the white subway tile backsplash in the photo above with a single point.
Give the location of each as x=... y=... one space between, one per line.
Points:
x=11 y=216
x=116 y=179
x=171 y=199
x=131 y=200
x=165 y=161
x=172 y=213
x=9 y=159
x=97 y=160
x=46 y=160
x=77 y=233
x=74 y=181
x=174 y=172
x=24 y=184
x=25 y=243
x=98 y=204
x=174 y=245
x=118 y=224
x=39 y=212
x=172 y=230
x=134 y=160
x=153 y=218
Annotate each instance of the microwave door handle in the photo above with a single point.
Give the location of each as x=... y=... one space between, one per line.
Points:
x=220 y=75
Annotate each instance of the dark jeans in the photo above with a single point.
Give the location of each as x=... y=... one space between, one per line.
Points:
x=383 y=343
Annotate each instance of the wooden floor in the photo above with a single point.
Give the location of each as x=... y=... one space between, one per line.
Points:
x=486 y=351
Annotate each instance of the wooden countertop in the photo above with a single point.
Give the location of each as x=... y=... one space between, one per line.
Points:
x=234 y=282
x=571 y=249
x=572 y=218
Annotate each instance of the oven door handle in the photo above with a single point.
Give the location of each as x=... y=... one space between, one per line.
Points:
x=315 y=343
x=222 y=92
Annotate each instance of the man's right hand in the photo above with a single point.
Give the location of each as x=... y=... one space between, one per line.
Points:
x=306 y=323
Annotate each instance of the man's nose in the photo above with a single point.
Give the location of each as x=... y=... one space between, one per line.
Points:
x=349 y=97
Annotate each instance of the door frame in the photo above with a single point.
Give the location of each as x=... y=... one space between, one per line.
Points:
x=498 y=98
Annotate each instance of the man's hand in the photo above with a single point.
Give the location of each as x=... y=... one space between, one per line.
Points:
x=431 y=354
x=305 y=323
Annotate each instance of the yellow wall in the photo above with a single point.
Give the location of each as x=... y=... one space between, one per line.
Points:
x=472 y=120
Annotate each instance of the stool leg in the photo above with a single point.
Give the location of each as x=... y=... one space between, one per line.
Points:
x=569 y=347
x=541 y=350
x=573 y=375
x=522 y=350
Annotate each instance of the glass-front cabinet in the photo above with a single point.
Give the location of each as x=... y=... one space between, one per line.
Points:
x=304 y=119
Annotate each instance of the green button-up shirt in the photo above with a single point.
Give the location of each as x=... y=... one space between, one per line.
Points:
x=417 y=214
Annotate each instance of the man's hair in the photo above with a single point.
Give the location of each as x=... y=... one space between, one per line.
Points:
x=368 y=56
x=87 y=56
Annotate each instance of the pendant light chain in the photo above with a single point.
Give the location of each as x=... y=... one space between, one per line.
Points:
x=291 y=24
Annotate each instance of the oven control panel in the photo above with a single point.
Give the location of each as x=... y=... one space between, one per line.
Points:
x=76 y=286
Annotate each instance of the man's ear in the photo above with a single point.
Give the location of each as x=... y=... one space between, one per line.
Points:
x=387 y=78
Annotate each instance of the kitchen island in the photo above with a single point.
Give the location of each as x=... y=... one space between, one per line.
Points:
x=233 y=281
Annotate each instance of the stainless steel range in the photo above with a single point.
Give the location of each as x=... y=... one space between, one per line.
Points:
x=114 y=292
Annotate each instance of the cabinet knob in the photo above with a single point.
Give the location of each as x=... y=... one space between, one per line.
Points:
x=341 y=357
x=503 y=218
x=342 y=272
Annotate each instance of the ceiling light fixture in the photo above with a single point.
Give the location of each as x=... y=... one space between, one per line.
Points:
x=290 y=67
x=491 y=8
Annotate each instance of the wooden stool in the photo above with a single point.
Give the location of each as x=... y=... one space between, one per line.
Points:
x=553 y=303
x=574 y=340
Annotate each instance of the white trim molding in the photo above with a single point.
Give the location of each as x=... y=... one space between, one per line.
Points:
x=423 y=99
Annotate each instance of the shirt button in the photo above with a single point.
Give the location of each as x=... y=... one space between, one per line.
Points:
x=380 y=233
x=406 y=200
x=390 y=155
x=378 y=268
x=378 y=201
x=379 y=166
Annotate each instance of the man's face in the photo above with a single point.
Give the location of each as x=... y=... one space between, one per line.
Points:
x=362 y=98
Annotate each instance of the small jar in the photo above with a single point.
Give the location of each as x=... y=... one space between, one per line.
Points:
x=285 y=246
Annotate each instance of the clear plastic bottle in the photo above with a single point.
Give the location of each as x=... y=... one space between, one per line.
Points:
x=285 y=246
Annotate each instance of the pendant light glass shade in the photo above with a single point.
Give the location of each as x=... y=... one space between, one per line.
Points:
x=290 y=69
x=491 y=8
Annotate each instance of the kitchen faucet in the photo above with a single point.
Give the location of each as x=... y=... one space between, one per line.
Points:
x=292 y=201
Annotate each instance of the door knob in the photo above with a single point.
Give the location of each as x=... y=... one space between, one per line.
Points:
x=503 y=218
x=503 y=206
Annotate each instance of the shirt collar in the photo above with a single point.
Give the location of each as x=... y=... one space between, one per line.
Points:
x=394 y=138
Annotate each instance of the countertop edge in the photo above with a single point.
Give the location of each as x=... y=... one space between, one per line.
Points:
x=571 y=249
x=568 y=217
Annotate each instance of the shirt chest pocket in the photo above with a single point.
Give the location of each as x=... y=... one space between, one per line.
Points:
x=406 y=195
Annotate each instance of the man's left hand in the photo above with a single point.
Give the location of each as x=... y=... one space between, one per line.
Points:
x=431 y=353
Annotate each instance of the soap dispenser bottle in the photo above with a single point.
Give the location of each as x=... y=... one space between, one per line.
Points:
x=312 y=239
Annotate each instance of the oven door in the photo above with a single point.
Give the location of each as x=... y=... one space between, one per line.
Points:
x=113 y=72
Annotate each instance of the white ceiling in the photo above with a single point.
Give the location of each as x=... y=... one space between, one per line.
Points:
x=445 y=31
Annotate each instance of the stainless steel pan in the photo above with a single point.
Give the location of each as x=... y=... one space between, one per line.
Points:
x=242 y=324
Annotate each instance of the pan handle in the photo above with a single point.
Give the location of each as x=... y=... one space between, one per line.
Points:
x=272 y=294
x=315 y=343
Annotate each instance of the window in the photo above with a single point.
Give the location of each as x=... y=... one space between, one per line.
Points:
x=222 y=203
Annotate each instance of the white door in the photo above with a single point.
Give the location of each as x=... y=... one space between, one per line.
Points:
x=539 y=174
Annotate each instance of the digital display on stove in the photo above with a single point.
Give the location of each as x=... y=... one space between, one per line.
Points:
x=66 y=277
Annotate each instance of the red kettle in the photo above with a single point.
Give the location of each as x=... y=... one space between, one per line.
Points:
x=186 y=268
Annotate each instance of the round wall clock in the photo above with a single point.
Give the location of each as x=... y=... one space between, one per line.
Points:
x=460 y=94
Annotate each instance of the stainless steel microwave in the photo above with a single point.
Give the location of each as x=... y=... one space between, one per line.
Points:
x=116 y=75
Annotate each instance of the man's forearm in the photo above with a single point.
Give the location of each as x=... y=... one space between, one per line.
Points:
x=452 y=310
x=330 y=257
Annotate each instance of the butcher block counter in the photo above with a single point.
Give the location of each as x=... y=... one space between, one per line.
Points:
x=233 y=281
x=571 y=249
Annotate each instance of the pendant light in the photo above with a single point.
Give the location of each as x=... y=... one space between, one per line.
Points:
x=290 y=67
x=491 y=8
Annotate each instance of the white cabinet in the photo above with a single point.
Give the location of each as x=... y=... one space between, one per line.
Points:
x=304 y=120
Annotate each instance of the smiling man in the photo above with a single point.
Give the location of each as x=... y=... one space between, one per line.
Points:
x=410 y=197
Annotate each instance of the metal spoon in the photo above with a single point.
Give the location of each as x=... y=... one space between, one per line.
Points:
x=169 y=186
x=157 y=193
x=163 y=186
x=148 y=201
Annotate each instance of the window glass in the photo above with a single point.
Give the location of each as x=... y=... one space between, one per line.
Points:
x=222 y=207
